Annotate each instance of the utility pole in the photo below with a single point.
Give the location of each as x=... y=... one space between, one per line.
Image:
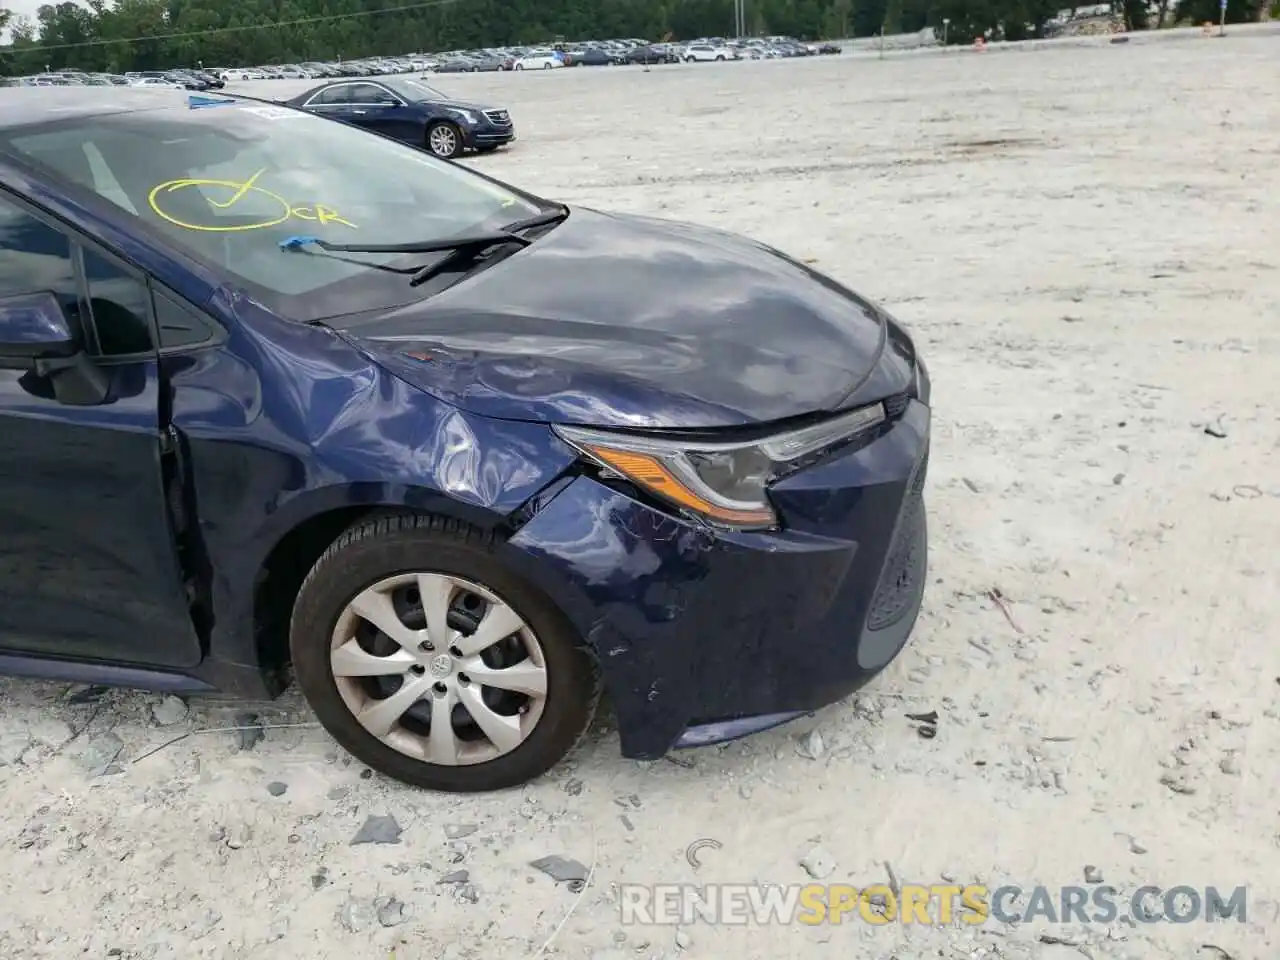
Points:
x=946 y=24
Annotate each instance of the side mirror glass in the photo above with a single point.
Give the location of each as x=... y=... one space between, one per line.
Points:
x=36 y=335
x=34 y=326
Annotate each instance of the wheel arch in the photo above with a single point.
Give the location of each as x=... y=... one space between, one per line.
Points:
x=295 y=545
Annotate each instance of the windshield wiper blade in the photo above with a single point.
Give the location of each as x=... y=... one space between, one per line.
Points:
x=442 y=245
x=554 y=215
x=439 y=266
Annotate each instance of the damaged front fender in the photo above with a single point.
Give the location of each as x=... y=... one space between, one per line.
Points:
x=283 y=424
x=632 y=581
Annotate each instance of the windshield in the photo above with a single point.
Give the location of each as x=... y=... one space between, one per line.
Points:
x=412 y=90
x=228 y=183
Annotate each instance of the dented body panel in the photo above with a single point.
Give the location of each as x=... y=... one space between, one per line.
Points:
x=285 y=422
x=694 y=628
x=622 y=321
x=273 y=428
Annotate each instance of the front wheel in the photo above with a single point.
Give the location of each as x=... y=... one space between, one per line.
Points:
x=519 y=66
x=430 y=661
x=444 y=139
x=546 y=66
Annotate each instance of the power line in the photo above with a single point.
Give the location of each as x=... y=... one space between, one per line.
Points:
x=11 y=48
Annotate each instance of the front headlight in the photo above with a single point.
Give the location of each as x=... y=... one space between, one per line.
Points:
x=466 y=115
x=922 y=387
x=723 y=483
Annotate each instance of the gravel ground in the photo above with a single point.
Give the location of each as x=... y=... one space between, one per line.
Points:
x=1087 y=245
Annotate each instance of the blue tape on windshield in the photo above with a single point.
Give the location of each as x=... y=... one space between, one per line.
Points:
x=293 y=243
x=196 y=103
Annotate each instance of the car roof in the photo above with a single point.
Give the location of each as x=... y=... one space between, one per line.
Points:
x=21 y=106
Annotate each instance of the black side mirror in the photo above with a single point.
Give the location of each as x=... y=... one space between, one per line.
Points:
x=37 y=336
x=33 y=326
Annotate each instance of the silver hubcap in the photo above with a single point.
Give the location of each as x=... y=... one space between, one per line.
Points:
x=439 y=668
x=443 y=141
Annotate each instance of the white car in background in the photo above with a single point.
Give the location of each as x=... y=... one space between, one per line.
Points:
x=243 y=75
x=538 y=60
x=155 y=82
x=707 y=53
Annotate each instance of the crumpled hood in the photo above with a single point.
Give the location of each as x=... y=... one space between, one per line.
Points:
x=621 y=321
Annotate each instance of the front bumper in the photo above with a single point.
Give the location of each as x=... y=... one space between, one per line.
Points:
x=703 y=636
x=488 y=135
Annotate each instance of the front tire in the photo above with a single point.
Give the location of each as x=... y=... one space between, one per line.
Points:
x=444 y=139
x=430 y=661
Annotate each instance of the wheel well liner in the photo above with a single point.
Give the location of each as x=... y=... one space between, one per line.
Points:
x=287 y=565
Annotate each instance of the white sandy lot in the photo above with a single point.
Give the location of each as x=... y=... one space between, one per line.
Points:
x=1086 y=243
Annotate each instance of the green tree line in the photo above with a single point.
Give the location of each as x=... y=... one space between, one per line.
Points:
x=120 y=35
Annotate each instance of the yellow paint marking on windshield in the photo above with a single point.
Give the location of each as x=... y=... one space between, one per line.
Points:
x=321 y=214
x=280 y=209
x=248 y=185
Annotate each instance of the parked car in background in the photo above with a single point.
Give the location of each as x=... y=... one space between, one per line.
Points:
x=411 y=111
x=282 y=399
x=164 y=82
x=539 y=60
x=705 y=53
x=652 y=53
x=456 y=65
x=595 y=57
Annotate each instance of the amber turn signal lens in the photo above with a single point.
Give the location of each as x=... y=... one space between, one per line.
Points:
x=653 y=475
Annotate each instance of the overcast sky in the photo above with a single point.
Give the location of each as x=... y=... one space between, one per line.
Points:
x=27 y=7
x=21 y=8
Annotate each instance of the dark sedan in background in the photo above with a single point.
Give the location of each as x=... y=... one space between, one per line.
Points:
x=411 y=111
x=594 y=57
x=651 y=54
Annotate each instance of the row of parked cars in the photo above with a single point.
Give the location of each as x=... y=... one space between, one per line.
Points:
x=599 y=53
x=589 y=53
x=181 y=79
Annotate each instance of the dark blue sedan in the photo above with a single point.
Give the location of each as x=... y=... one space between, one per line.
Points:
x=412 y=111
x=281 y=399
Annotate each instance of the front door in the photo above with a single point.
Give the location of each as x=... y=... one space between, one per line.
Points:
x=88 y=567
x=377 y=108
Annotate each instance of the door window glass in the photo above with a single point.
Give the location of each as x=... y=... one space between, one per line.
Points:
x=118 y=302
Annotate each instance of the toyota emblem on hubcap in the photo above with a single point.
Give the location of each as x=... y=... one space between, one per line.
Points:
x=441 y=666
